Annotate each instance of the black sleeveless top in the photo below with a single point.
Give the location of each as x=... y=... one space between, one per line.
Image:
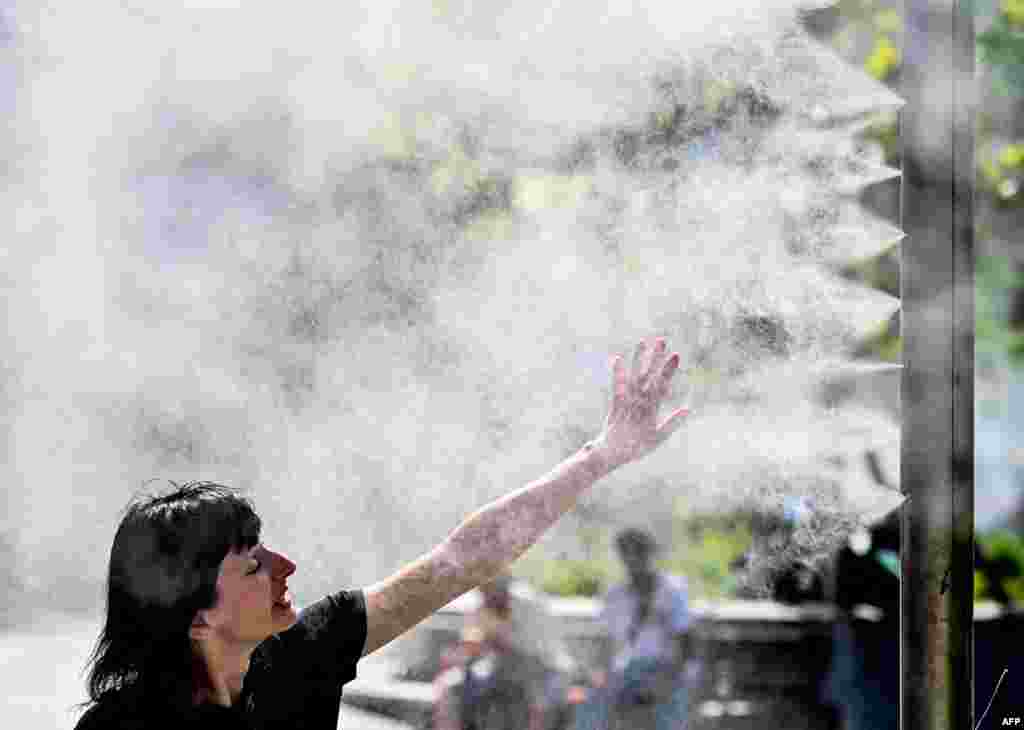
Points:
x=294 y=681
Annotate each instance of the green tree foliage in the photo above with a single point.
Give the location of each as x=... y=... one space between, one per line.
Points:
x=1002 y=48
x=703 y=546
x=1004 y=550
x=585 y=578
x=995 y=281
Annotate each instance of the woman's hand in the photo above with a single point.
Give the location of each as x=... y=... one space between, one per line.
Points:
x=632 y=429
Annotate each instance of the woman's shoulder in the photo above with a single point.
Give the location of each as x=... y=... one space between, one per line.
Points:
x=113 y=710
x=122 y=710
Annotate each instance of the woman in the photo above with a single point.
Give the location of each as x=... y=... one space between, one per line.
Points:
x=193 y=597
x=200 y=627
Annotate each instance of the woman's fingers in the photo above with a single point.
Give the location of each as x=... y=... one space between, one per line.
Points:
x=647 y=361
x=673 y=422
x=639 y=362
x=619 y=380
x=632 y=428
x=671 y=365
x=665 y=376
x=657 y=359
x=651 y=370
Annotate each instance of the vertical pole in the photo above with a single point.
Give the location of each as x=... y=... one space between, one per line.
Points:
x=937 y=470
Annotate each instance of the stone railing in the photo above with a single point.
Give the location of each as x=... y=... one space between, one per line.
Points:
x=762 y=662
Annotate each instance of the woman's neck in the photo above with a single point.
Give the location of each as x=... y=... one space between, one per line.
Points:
x=218 y=676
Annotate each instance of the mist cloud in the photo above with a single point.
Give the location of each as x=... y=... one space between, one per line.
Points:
x=369 y=262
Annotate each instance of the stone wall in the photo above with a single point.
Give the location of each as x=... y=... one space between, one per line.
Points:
x=762 y=664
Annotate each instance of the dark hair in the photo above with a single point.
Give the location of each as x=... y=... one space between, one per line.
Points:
x=164 y=565
x=633 y=538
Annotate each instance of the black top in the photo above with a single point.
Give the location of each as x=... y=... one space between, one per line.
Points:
x=294 y=680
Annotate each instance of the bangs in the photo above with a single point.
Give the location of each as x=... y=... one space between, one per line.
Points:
x=219 y=519
x=241 y=525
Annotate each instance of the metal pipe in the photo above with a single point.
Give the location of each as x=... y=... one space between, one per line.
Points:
x=937 y=451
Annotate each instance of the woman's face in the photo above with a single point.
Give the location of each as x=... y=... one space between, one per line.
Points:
x=253 y=602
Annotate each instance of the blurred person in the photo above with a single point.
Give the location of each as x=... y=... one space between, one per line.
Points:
x=998 y=665
x=643 y=681
x=738 y=580
x=798 y=582
x=863 y=680
x=487 y=681
x=200 y=627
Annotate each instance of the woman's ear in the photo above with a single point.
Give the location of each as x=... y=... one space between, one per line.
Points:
x=200 y=628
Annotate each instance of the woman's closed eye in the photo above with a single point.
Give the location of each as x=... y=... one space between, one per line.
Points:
x=257 y=568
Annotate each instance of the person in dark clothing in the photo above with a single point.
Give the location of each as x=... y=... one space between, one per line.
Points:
x=200 y=629
x=798 y=582
x=863 y=680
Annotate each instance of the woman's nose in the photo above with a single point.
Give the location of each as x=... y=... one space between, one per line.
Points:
x=283 y=567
